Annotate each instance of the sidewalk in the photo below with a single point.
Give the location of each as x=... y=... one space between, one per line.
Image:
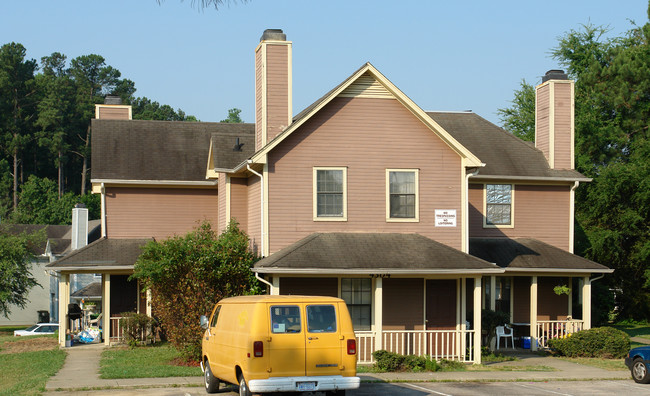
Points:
x=81 y=372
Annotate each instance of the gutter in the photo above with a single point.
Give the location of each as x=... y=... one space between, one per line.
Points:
x=533 y=178
x=562 y=270
x=209 y=183
x=376 y=271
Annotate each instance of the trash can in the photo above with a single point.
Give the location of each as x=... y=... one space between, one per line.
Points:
x=43 y=317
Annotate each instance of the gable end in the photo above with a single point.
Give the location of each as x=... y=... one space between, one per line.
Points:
x=366 y=86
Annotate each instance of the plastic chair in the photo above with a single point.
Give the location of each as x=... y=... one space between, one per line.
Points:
x=501 y=333
x=97 y=321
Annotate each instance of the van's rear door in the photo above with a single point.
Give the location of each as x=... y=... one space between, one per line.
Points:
x=286 y=348
x=324 y=347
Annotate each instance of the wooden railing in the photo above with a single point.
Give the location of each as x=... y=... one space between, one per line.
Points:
x=549 y=329
x=116 y=336
x=435 y=344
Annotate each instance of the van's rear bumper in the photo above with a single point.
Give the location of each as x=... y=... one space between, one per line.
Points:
x=290 y=384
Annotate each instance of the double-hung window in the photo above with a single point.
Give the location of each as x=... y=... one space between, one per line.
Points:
x=498 y=205
x=330 y=201
x=402 y=195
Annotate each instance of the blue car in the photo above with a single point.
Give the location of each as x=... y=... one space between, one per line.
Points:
x=637 y=361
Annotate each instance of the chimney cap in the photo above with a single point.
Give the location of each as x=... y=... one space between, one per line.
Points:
x=273 y=34
x=112 y=100
x=555 y=74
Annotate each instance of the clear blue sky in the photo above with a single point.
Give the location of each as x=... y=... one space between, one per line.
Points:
x=445 y=55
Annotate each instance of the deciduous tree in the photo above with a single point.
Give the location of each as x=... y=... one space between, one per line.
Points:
x=188 y=274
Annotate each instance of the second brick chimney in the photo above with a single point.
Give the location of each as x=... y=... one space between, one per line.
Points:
x=273 y=107
x=554 y=115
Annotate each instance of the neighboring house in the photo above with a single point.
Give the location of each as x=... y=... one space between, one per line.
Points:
x=417 y=219
x=42 y=300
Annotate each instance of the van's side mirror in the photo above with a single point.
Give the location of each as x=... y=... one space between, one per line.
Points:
x=204 y=322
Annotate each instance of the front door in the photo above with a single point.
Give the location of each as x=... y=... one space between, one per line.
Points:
x=324 y=346
x=441 y=315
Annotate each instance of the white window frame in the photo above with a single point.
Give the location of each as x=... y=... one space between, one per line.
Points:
x=512 y=207
x=344 y=170
x=415 y=219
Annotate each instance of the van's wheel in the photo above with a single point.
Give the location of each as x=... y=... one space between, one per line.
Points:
x=243 y=388
x=210 y=381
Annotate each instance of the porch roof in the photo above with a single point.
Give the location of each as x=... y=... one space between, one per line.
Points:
x=103 y=254
x=531 y=255
x=371 y=253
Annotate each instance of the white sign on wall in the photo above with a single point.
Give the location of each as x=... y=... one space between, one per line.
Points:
x=445 y=217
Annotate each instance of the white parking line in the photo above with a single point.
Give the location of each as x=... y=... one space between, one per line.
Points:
x=543 y=390
x=427 y=390
x=629 y=385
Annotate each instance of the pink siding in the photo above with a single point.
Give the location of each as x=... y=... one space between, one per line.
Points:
x=254 y=214
x=158 y=212
x=223 y=221
x=276 y=114
x=541 y=212
x=563 y=124
x=239 y=201
x=367 y=136
x=277 y=94
x=543 y=109
x=110 y=113
x=259 y=67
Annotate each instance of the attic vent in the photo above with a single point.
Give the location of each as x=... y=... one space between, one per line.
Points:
x=237 y=146
x=366 y=87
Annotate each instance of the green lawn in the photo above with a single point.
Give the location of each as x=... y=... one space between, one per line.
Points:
x=143 y=362
x=26 y=372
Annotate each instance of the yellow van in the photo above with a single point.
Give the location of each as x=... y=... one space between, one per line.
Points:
x=280 y=344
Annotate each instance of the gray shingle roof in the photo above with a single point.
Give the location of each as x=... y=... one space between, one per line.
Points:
x=91 y=290
x=225 y=156
x=503 y=153
x=527 y=253
x=59 y=236
x=374 y=252
x=158 y=150
x=105 y=253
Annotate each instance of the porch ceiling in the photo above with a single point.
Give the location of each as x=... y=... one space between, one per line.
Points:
x=103 y=254
x=529 y=255
x=372 y=253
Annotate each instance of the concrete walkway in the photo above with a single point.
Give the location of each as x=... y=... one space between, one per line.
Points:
x=81 y=372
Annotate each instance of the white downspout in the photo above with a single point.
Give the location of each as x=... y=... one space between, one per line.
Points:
x=572 y=216
x=262 y=234
x=103 y=204
x=259 y=278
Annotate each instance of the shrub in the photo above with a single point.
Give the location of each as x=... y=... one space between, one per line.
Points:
x=390 y=361
x=136 y=328
x=601 y=342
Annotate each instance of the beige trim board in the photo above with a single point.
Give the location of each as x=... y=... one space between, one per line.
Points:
x=530 y=179
x=558 y=271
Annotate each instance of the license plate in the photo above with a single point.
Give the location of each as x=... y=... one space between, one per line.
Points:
x=306 y=386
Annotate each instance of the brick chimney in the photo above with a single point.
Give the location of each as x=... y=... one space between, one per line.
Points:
x=113 y=109
x=554 y=115
x=273 y=105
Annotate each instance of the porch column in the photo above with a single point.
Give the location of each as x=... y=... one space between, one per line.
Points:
x=463 y=316
x=379 y=308
x=493 y=298
x=106 y=308
x=64 y=300
x=275 y=289
x=586 y=302
x=477 y=320
x=570 y=310
x=533 y=313
x=149 y=302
